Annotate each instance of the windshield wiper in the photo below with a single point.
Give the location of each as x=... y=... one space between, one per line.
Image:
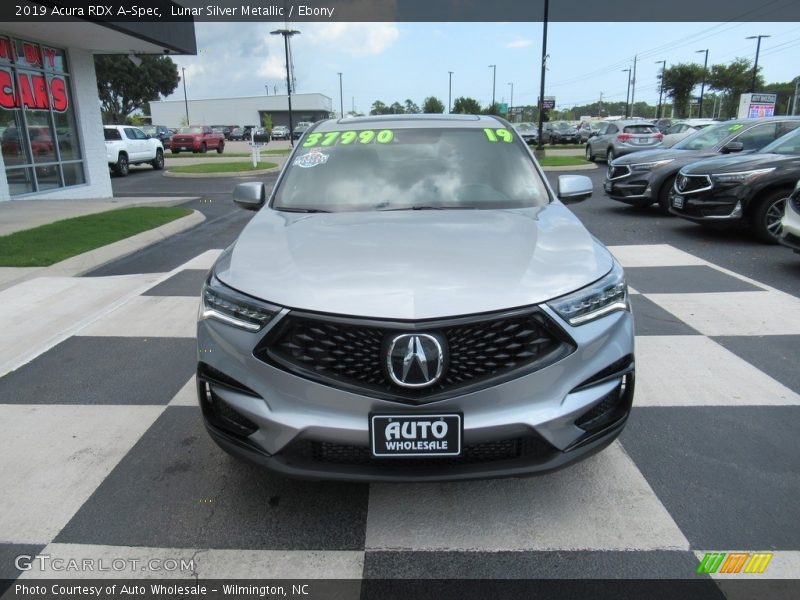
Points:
x=428 y=207
x=301 y=209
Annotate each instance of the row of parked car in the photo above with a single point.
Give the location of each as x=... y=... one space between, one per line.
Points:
x=737 y=173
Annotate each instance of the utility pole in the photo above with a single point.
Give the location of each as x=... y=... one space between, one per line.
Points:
x=633 y=85
x=755 y=64
x=341 y=98
x=627 y=91
x=511 y=104
x=703 y=85
x=494 y=76
x=450 y=94
x=287 y=33
x=185 y=98
x=663 y=64
x=540 y=145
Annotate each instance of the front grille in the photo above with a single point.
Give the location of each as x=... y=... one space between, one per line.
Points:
x=687 y=184
x=618 y=172
x=351 y=354
x=527 y=447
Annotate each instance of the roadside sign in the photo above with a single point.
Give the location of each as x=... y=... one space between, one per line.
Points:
x=753 y=106
x=503 y=108
x=549 y=102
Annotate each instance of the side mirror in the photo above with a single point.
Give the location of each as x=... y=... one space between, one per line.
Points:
x=574 y=188
x=250 y=195
x=732 y=147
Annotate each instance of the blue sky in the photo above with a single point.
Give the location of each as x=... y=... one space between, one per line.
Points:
x=395 y=61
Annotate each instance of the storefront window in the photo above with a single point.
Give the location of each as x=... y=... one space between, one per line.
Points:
x=40 y=144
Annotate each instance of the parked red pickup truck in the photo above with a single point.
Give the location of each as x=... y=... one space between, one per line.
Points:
x=197 y=138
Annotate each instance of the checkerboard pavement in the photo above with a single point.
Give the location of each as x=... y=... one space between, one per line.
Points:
x=103 y=454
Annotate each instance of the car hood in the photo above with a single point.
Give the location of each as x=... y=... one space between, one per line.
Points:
x=413 y=264
x=685 y=156
x=732 y=164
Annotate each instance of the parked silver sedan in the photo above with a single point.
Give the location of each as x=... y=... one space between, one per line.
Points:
x=617 y=138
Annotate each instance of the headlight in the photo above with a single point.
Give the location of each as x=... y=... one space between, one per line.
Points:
x=741 y=176
x=607 y=295
x=229 y=306
x=649 y=166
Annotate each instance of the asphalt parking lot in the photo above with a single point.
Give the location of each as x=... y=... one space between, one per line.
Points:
x=708 y=461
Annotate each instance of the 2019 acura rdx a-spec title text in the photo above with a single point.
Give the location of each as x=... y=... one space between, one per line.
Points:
x=413 y=302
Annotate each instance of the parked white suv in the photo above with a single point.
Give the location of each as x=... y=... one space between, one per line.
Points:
x=126 y=146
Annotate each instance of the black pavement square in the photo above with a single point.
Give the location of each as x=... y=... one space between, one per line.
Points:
x=184 y=283
x=775 y=355
x=684 y=280
x=103 y=370
x=659 y=564
x=728 y=476
x=9 y=555
x=650 y=319
x=176 y=488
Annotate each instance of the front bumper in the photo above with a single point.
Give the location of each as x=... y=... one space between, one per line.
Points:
x=790 y=235
x=630 y=187
x=723 y=208
x=305 y=428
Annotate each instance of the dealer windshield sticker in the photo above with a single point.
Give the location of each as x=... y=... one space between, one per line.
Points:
x=312 y=159
x=499 y=135
x=344 y=138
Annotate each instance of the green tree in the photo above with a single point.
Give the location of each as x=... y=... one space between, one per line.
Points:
x=411 y=107
x=396 y=108
x=785 y=93
x=379 y=108
x=432 y=105
x=466 y=106
x=733 y=80
x=679 y=81
x=266 y=121
x=492 y=109
x=124 y=88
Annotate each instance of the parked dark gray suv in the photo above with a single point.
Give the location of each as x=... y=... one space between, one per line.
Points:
x=647 y=177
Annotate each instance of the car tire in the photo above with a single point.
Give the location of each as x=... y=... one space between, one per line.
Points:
x=765 y=217
x=610 y=155
x=122 y=168
x=663 y=196
x=220 y=148
x=158 y=162
x=203 y=148
x=589 y=154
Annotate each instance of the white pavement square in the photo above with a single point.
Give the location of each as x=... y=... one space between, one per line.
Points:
x=602 y=503
x=654 y=255
x=53 y=457
x=693 y=370
x=202 y=261
x=187 y=395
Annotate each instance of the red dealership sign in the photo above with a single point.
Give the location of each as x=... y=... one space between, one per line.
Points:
x=34 y=92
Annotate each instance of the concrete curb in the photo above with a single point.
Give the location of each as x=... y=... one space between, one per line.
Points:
x=169 y=173
x=83 y=263
x=571 y=168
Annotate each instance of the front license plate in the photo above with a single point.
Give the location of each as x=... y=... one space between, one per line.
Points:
x=608 y=186
x=415 y=435
x=677 y=201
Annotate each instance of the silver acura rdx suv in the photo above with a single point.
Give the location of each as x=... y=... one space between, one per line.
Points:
x=413 y=302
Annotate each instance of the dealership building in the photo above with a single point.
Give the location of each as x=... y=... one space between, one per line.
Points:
x=247 y=110
x=51 y=130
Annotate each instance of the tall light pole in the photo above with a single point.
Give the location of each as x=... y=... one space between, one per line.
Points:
x=266 y=87
x=663 y=64
x=511 y=104
x=494 y=77
x=758 y=50
x=703 y=85
x=341 y=98
x=627 y=91
x=185 y=98
x=633 y=84
x=287 y=33
x=450 y=94
x=540 y=144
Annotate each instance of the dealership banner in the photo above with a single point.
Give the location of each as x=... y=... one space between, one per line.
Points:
x=397 y=10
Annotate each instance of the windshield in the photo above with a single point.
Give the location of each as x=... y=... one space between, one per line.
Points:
x=191 y=130
x=708 y=137
x=788 y=144
x=410 y=169
x=148 y=129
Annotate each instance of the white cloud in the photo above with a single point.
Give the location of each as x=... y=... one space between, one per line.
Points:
x=355 y=39
x=521 y=43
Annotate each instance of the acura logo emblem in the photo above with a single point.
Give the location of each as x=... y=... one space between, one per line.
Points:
x=415 y=360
